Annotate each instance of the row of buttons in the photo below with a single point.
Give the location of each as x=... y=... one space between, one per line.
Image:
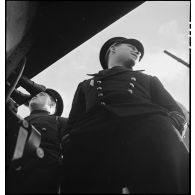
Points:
x=100 y=94
x=132 y=85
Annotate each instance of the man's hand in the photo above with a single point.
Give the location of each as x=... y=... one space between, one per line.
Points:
x=179 y=122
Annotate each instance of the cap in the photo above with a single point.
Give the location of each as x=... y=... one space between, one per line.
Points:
x=114 y=40
x=58 y=100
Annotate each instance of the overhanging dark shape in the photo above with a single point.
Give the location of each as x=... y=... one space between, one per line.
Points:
x=61 y=26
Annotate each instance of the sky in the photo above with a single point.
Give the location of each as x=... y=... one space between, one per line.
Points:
x=159 y=25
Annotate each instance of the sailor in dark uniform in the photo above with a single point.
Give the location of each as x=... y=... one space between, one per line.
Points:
x=41 y=173
x=125 y=130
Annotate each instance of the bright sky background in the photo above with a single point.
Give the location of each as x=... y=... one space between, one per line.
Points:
x=159 y=25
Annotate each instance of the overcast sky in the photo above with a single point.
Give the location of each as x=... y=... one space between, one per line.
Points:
x=159 y=25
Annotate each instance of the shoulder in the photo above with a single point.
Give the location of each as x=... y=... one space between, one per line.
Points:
x=81 y=84
x=155 y=79
x=143 y=74
x=86 y=83
x=62 y=122
x=60 y=119
x=142 y=77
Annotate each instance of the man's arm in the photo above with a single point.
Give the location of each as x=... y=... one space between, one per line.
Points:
x=163 y=98
x=77 y=110
x=78 y=107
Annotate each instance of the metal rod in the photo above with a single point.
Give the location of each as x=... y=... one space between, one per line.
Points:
x=176 y=58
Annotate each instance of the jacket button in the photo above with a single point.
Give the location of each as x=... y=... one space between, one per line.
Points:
x=25 y=124
x=103 y=103
x=99 y=88
x=131 y=84
x=99 y=82
x=130 y=90
x=133 y=78
x=100 y=94
x=125 y=190
x=19 y=168
x=40 y=152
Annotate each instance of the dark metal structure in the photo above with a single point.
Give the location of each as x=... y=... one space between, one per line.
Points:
x=54 y=28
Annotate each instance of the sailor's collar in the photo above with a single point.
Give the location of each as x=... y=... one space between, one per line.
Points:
x=114 y=70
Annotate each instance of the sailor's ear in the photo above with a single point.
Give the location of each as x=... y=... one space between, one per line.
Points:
x=112 y=49
x=52 y=104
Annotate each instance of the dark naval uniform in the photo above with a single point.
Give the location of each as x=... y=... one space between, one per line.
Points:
x=122 y=137
x=41 y=173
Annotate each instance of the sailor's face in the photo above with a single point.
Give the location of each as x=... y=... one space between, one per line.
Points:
x=41 y=99
x=126 y=51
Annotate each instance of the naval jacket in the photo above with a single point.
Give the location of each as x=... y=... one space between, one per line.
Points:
x=124 y=92
x=52 y=129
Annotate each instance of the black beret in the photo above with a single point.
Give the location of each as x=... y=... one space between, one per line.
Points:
x=113 y=40
x=58 y=100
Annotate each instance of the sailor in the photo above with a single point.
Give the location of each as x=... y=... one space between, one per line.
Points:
x=41 y=173
x=125 y=130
